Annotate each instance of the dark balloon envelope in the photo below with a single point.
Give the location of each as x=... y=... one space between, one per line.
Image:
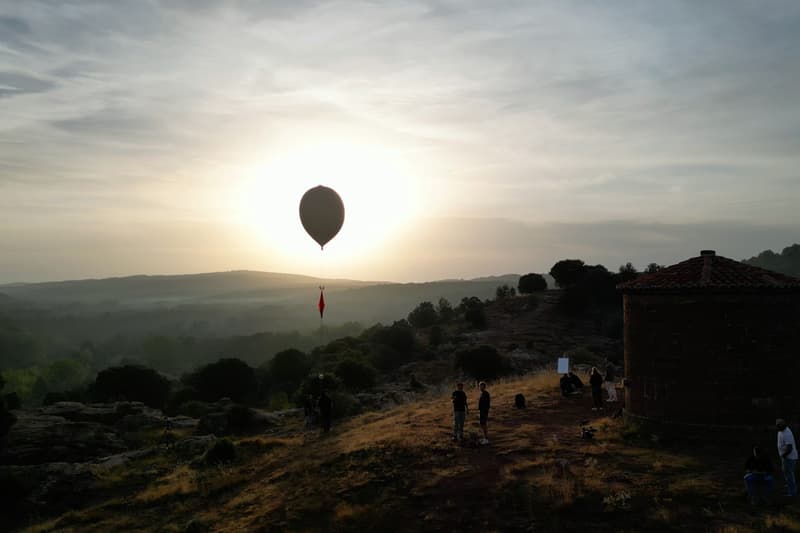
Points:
x=322 y=213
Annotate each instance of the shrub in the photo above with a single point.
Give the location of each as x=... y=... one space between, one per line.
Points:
x=436 y=336
x=356 y=375
x=132 y=383
x=445 y=310
x=531 y=283
x=227 y=378
x=288 y=368
x=423 y=316
x=505 y=291
x=222 y=451
x=399 y=336
x=482 y=362
x=474 y=311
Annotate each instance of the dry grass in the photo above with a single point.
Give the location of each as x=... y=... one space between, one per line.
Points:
x=381 y=470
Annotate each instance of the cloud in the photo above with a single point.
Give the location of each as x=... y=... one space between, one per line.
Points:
x=16 y=83
x=545 y=113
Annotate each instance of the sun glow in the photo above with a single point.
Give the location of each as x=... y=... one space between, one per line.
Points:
x=378 y=188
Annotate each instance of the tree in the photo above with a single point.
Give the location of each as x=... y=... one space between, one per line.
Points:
x=423 y=316
x=132 y=383
x=445 y=310
x=227 y=378
x=627 y=272
x=530 y=283
x=505 y=291
x=787 y=262
x=568 y=272
x=436 y=336
x=474 y=311
x=399 y=336
x=288 y=368
x=482 y=362
x=653 y=268
x=356 y=375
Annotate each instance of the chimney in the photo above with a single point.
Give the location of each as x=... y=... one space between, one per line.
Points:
x=708 y=257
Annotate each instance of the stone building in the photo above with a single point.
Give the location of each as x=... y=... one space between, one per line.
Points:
x=712 y=342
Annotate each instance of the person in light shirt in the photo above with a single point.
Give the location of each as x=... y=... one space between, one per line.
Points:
x=787 y=449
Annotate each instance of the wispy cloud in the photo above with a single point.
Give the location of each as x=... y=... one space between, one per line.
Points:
x=545 y=112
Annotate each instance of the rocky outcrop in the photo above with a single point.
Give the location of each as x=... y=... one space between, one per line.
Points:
x=225 y=418
x=37 y=438
x=73 y=432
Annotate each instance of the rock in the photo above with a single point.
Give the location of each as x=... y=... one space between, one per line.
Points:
x=181 y=421
x=58 y=486
x=231 y=418
x=193 y=446
x=113 y=461
x=37 y=439
x=78 y=412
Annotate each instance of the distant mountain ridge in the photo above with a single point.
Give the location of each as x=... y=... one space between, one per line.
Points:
x=187 y=287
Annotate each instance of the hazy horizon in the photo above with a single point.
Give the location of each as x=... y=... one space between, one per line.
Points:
x=466 y=139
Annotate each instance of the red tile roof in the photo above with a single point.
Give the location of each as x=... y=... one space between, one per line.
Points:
x=712 y=272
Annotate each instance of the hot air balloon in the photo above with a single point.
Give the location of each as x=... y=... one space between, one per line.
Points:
x=322 y=213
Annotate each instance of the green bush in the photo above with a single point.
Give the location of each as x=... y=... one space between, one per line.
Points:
x=132 y=383
x=356 y=375
x=399 y=336
x=226 y=378
x=476 y=316
x=445 y=310
x=436 y=336
x=288 y=368
x=423 y=316
x=505 y=291
x=532 y=282
x=568 y=272
x=482 y=362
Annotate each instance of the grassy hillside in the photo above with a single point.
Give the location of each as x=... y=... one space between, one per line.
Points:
x=398 y=470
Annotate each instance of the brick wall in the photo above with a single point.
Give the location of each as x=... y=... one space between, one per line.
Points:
x=721 y=359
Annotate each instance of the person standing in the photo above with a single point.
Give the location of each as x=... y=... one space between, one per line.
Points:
x=611 y=386
x=459 y=411
x=787 y=449
x=325 y=405
x=596 y=381
x=483 y=410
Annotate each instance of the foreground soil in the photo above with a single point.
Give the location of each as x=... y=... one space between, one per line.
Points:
x=399 y=470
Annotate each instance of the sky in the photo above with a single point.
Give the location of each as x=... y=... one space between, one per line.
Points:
x=465 y=138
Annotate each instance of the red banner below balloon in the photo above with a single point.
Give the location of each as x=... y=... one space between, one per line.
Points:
x=321 y=304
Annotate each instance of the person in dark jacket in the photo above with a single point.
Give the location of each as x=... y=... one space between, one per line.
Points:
x=596 y=381
x=325 y=405
x=483 y=410
x=758 y=478
x=459 y=411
